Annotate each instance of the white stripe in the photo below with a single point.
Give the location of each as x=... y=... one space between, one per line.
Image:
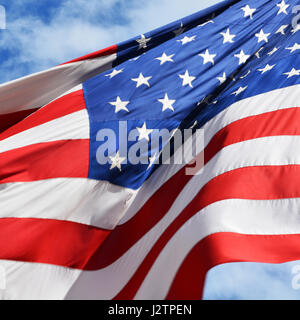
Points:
x=274 y=100
x=157 y=179
x=34 y=281
x=106 y=283
x=273 y=150
x=279 y=99
x=74 y=89
x=26 y=280
x=23 y=280
x=87 y=201
x=115 y=276
x=39 y=89
x=102 y=204
x=259 y=151
x=264 y=217
x=70 y=127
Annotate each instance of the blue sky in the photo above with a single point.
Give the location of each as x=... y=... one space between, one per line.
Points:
x=42 y=34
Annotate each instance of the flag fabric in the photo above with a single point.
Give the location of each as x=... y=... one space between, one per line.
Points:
x=74 y=228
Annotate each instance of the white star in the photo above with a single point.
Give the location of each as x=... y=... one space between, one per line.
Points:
x=248 y=12
x=187 y=79
x=164 y=58
x=143 y=42
x=144 y=132
x=222 y=79
x=179 y=31
x=239 y=91
x=282 y=29
x=272 y=52
x=114 y=73
x=116 y=161
x=261 y=36
x=295 y=47
x=141 y=80
x=120 y=105
x=186 y=40
x=242 y=57
x=167 y=103
x=227 y=36
x=266 y=68
x=293 y=72
x=207 y=57
x=282 y=7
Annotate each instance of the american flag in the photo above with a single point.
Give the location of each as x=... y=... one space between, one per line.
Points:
x=72 y=228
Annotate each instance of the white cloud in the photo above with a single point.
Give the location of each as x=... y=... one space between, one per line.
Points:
x=248 y=281
x=160 y=12
x=77 y=28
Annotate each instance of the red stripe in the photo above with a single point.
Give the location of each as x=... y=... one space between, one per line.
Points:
x=34 y=242
x=249 y=183
x=125 y=236
x=56 y=242
x=104 y=52
x=9 y=119
x=222 y=248
x=61 y=107
x=281 y=122
x=59 y=159
x=272 y=182
x=284 y=122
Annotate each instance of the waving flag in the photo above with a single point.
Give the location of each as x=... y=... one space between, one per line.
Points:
x=75 y=226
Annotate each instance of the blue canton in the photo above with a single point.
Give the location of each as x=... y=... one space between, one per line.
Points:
x=182 y=75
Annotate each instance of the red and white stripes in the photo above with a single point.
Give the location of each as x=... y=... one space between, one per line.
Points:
x=91 y=239
x=22 y=97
